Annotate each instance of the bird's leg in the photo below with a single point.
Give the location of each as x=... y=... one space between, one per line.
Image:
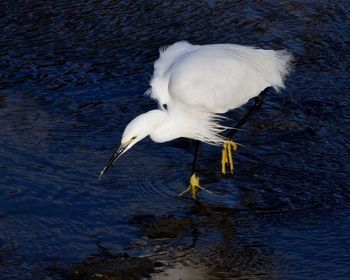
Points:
x=257 y=104
x=193 y=186
x=229 y=145
x=227 y=160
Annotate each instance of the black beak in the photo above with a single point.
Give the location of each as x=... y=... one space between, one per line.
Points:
x=113 y=159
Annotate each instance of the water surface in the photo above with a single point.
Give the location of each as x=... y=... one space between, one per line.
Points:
x=73 y=74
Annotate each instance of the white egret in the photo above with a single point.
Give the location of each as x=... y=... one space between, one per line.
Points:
x=193 y=85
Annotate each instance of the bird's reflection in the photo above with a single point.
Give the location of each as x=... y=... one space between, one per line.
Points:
x=215 y=241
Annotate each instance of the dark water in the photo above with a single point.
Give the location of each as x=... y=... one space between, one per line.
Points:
x=72 y=75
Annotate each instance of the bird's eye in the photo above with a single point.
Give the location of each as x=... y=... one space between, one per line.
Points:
x=133 y=138
x=165 y=106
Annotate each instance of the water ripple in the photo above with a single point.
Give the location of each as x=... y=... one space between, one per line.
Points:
x=72 y=76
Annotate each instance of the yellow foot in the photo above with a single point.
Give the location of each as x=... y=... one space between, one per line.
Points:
x=227 y=160
x=193 y=187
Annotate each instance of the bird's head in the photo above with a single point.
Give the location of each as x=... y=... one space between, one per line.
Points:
x=139 y=128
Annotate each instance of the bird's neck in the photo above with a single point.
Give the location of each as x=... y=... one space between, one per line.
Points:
x=189 y=124
x=177 y=124
x=166 y=132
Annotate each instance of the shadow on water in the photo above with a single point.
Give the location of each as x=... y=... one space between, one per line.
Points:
x=72 y=76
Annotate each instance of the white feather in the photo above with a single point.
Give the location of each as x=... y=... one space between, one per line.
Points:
x=198 y=83
x=227 y=74
x=212 y=79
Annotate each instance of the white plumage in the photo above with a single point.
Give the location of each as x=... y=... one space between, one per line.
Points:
x=198 y=82
x=216 y=78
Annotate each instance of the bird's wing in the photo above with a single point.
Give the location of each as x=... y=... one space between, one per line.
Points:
x=217 y=78
x=162 y=70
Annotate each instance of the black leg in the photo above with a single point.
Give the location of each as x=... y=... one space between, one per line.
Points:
x=194 y=186
x=229 y=146
x=194 y=164
x=258 y=102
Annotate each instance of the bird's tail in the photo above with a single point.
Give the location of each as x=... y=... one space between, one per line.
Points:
x=272 y=65
x=284 y=63
x=278 y=64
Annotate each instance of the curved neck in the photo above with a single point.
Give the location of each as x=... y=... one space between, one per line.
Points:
x=179 y=123
x=166 y=132
x=198 y=125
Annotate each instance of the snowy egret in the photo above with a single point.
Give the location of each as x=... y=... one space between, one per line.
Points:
x=193 y=85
